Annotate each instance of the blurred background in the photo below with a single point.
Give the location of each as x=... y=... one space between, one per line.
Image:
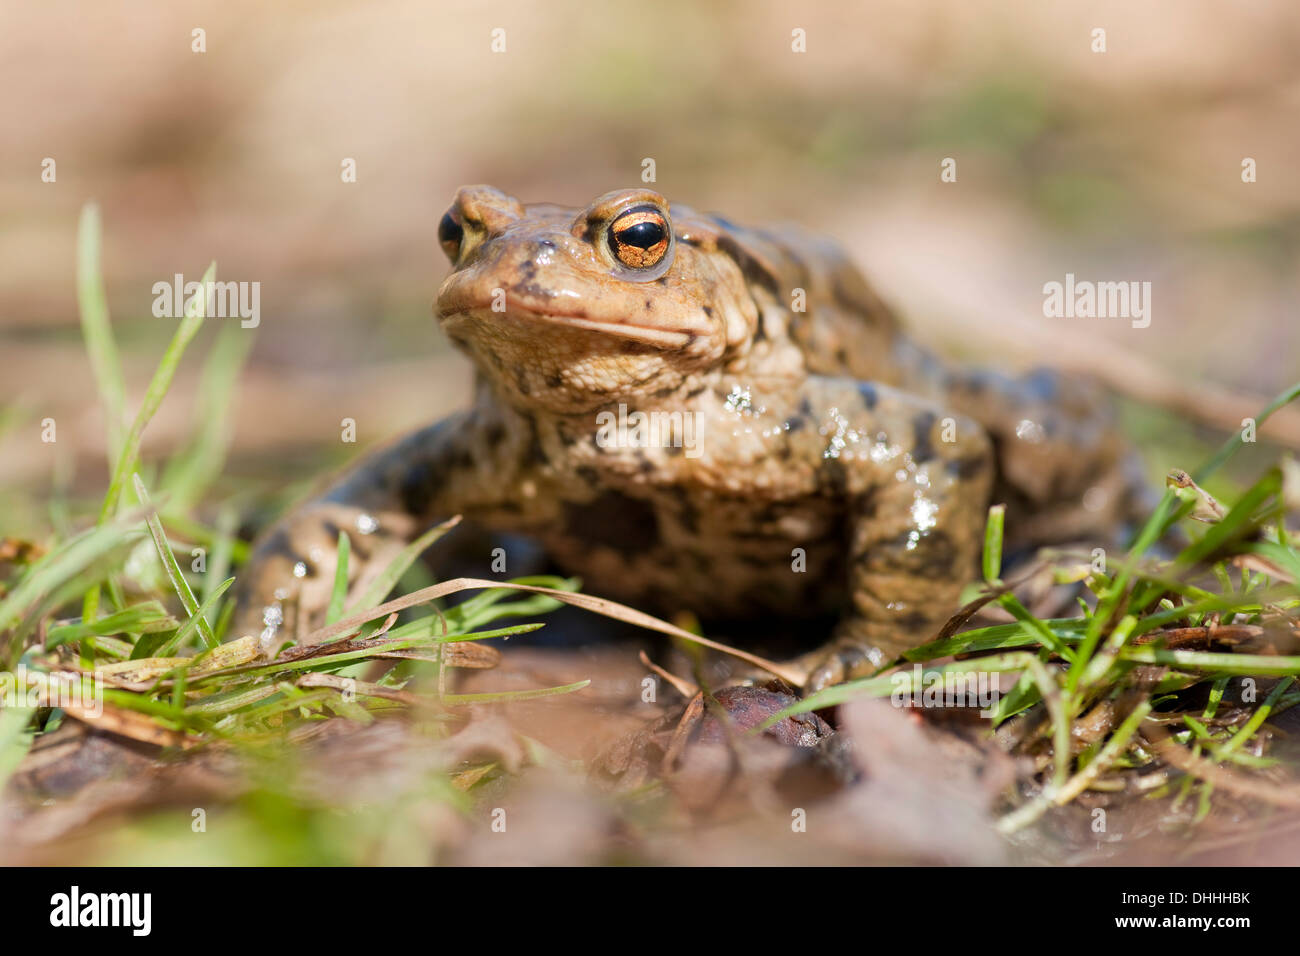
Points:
x=1122 y=165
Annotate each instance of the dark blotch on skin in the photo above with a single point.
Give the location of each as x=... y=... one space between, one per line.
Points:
x=750 y=268
x=536 y=453
x=867 y=392
x=864 y=505
x=916 y=621
x=933 y=555
x=1042 y=385
x=279 y=544
x=831 y=478
x=922 y=448
x=422 y=485
x=966 y=467
x=687 y=513
x=527 y=288
x=614 y=520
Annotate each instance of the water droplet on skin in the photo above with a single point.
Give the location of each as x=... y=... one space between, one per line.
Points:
x=1029 y=431
x=843 y=436
x=739 y=400
x=367 y=524
x=1095 y=498
x=925 y=513
x=272 y=616
x=267 y=641
x=881 y=451
x=300 y=569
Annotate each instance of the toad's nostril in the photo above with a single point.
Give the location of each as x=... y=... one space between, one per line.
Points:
x=488 y=208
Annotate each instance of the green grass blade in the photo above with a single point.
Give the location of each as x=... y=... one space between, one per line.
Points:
x=325 y=662
x=993 y=531
x=995 y=637
x=179 y=584
x=1284 y=557
x=1229 y=447
x=189 y=474
x=340 y=592
x=491 y=605
x=457 y=700
x=1237 y=522
x=1211 y=662
x=140 y=618
x=15 y=740
x=63 y=562
x=212 y=538
x=220 y=557
x=1257 y=719
x=156 y=392
x=200 y=616
x=389 y=577
x=96 y=329
x=900 y=682
x=1036 y=627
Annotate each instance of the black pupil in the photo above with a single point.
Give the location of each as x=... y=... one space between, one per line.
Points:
x=643 y=234
x=449 y=230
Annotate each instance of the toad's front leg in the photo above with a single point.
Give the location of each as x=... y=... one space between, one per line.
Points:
x=916 y=483
x=457 y=466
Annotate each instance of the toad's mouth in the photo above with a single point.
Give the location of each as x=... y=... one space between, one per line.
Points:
x=648 y=335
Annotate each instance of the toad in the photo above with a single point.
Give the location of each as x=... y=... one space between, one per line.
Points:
x=693 y=415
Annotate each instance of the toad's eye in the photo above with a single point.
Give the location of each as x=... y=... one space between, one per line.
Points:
x=450 y=233
x=640 y=237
